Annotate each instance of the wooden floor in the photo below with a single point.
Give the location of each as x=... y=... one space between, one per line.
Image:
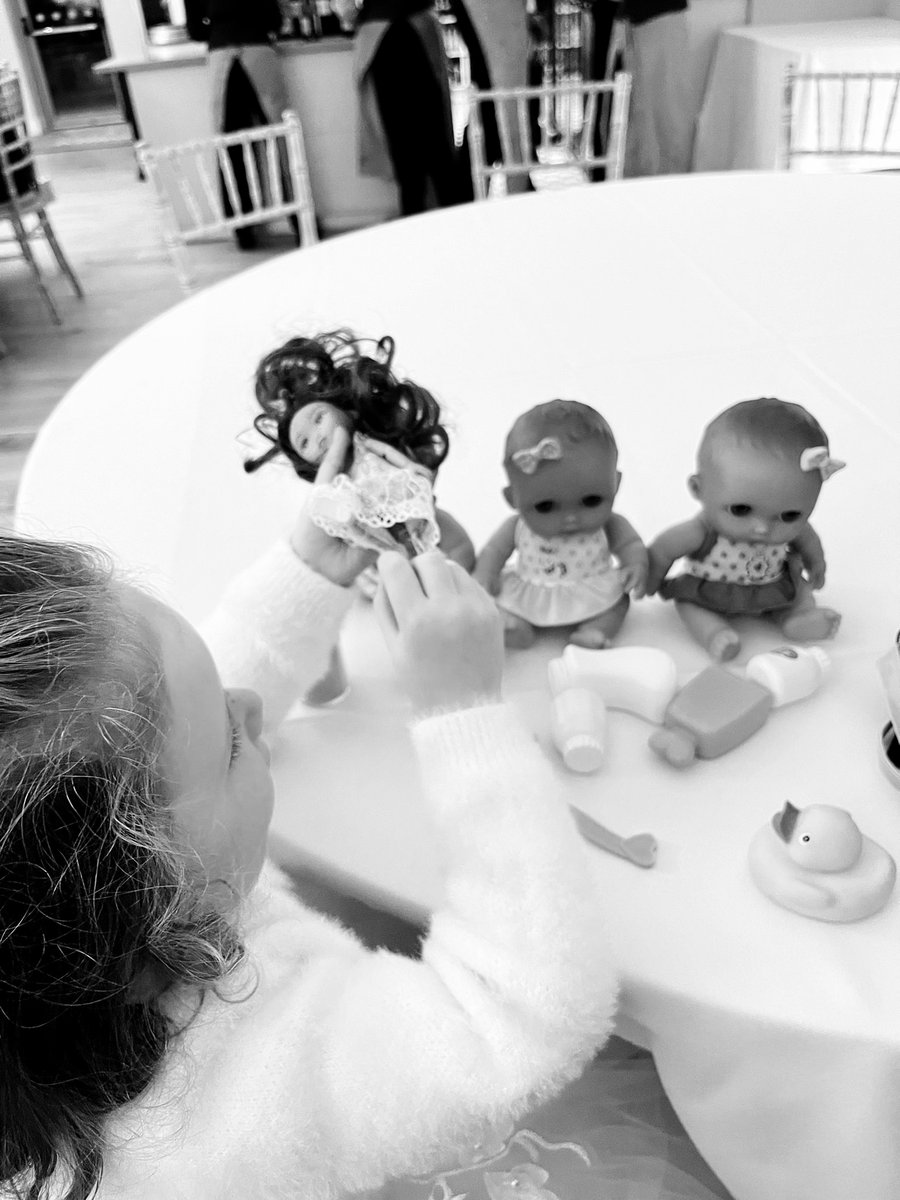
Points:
x=106 y=221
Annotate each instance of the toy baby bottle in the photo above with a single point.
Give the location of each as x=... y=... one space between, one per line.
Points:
x=578 y=724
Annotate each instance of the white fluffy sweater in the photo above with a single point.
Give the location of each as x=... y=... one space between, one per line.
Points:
x=325 y=1068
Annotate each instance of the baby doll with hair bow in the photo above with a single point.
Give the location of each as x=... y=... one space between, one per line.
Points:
x=576 y=561
x=751 y=551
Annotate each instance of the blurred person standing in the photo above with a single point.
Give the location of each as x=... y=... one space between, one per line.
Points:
x=502 y=27
x=406 y=126
x=657 y=53
x=246 y=83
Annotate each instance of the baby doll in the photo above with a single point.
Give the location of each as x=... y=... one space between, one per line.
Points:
x=310 y=387
x=560 y=461
x=751 y=551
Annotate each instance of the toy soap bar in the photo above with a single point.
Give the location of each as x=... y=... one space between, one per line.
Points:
x=712 y=714
x=638 y=679
x=814 y=861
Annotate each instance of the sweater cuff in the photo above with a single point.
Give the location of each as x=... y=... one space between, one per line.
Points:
x=292 y=595
x=487 y=741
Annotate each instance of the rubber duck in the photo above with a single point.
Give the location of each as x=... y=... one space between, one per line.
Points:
x=816 y=862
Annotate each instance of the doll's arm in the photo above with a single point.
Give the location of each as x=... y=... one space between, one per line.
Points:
x=809 y=547
x=494 y=556
x=671 y=545
x=626 y=545
x=455 y=542
x=395 y=457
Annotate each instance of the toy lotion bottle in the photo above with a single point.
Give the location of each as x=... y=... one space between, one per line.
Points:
x=578 y=724
x=712 y=714
x=790 y=672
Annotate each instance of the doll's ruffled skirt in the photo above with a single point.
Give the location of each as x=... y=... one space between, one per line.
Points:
x=363 y=511
x=732 y=599
x=610 y=1135
x=560 y=602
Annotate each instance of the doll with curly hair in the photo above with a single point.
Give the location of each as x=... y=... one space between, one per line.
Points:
x=313 y=390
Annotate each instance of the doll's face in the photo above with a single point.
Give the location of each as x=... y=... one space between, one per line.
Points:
x=313 y=428
x=749 y=494
x=573 y=495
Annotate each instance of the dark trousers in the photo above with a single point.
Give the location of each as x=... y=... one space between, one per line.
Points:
x=244 y=111
x=412 y=111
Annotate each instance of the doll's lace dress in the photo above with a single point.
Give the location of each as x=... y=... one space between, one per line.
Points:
x=610 y=1135
x=362 y=505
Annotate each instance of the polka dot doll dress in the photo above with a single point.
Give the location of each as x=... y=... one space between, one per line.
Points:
x=560 y=580
x=735 y=578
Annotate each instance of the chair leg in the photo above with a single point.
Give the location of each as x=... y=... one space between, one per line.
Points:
x=25 y=246
x=58 y=253
x=179 y=258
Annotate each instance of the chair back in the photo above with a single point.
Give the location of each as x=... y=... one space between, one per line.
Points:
x=567 y=117
x=199 y=193
x=17 y=173
x=834 y=115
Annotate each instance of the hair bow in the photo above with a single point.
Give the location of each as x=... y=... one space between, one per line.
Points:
x=817 y=458
x=548 y=449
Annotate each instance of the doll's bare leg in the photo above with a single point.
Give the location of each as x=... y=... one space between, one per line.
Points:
x=710 y=629
x=518 y=634
x=598 y=632
x=804 y=621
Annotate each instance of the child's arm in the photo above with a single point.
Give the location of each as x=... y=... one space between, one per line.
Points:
x=494 y=556
x=276 y=623
x=671 y=545
x=809 y=547
x=514 y=991
x=626 y=545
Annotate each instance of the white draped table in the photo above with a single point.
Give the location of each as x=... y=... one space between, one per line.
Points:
x=740 y=121
x=660 y=302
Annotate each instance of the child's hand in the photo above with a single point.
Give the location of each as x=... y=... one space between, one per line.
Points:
x=443 y=630
x=329 y=556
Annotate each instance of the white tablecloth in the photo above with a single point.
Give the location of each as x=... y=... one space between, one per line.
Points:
x=740 y=122
x=660 y=302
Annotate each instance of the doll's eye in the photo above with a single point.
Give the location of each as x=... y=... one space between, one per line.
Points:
x=791 y=516
x=592 y=501
x=740 y=510
x=318 y=417
x=544 y=506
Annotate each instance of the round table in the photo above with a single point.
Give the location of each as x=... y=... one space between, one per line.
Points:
x=660 y=302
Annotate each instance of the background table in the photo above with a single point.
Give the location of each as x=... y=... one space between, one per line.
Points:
x=739 y=126
x=660 y=302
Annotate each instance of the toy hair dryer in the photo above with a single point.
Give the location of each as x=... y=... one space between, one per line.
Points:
x=638 y=679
